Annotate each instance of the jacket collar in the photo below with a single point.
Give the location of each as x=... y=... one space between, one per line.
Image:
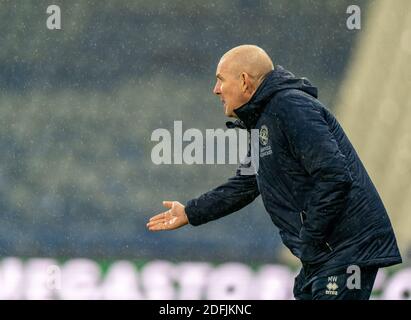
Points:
x=250 y=112
x=275 y=81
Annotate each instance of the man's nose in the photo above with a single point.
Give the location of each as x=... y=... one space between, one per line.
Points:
x=217 y=89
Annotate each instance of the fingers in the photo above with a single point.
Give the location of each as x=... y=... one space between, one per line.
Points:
x=162 y=224
x=162 y=221
x=168 y=204
x=158 y=216
x=156 y=227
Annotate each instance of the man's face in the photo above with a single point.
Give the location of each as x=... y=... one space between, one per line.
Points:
x=229 y=88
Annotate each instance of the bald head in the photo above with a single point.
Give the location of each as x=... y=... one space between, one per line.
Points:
x=239 y=73
x=249 y=59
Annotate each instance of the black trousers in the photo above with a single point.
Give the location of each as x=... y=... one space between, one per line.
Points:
x=334 y=286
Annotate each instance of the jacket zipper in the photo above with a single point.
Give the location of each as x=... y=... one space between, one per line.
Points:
x=302 y=217
x=329 y=247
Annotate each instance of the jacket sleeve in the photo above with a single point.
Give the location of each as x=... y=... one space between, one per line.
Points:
x=308 y=133
x=235 y=194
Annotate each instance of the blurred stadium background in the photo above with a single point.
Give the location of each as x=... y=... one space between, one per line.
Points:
x=77 y=109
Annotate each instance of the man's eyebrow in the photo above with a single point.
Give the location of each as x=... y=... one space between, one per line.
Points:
x=218 y=76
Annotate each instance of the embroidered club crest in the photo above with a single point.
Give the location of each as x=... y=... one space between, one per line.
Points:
x=264 y=135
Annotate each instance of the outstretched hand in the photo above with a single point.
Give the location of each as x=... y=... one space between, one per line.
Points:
x=171 y=219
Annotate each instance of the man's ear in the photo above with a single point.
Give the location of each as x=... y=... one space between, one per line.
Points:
x=244 y=81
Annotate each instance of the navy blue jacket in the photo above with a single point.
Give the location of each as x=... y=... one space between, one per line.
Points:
x=312 y=182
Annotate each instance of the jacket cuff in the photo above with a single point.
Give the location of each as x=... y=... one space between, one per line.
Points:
x=193 y=215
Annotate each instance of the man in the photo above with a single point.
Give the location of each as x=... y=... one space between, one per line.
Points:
x=311 y=180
